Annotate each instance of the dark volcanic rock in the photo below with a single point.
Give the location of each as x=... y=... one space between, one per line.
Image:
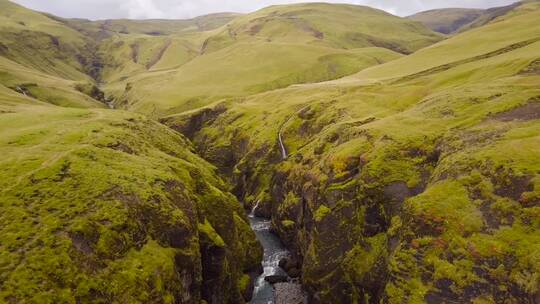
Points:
x=273 y=279
x=294 y=273
x=291 y=266
x=286 y=263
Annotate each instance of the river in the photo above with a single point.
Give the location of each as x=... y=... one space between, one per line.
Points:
x=274 y=251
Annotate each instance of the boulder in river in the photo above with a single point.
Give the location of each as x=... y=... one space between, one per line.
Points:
x=291 y=266
x=273 y=279
x=284 y=262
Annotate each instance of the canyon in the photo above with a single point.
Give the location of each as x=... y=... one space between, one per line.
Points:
x=303 y=153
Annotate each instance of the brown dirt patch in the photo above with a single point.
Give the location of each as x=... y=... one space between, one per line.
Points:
x=513 y=187
x=121 y=147
x=528 y=111
x=157 y=56
x=255 y=29
x=81 y=244
x=135 y=52
x=532 y=69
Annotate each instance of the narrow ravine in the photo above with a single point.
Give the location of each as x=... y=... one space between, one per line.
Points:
x=274 y=251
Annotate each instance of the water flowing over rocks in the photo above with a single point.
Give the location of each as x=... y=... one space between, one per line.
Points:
x=284 y=289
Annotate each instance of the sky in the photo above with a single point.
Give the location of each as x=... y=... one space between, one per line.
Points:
x=183 y=9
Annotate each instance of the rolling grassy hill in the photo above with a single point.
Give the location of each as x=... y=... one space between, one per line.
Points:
x=447 y=21
x=413 y=179
x=44 y=59
x=162 y=27
x=45 y=44
x=491 y=40
x=170 y=66
x=269 y=49
x=454 y=20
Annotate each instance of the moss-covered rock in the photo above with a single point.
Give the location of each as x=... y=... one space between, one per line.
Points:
x=110 y=207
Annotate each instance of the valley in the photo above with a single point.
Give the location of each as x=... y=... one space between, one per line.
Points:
x=302 y=153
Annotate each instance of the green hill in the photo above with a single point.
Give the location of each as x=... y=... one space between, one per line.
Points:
x=39 y=42
x=44 y=59
x=447 y=21
x=102 y=206
x=142 y=64
x=266 y=50
x=494 y=14
x=165 y=27
x=454 y=20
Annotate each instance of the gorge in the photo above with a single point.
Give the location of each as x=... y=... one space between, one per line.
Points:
x=302 y=153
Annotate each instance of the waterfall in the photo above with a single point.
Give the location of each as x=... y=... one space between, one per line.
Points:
x=252 y=213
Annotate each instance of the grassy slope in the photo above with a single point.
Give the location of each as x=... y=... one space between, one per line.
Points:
x=55 y=59
x=44 y=87
x=166 y=27
x=299 y=44
x=456 y=20
x=141 y=64
x=362 y=145
x=492 y=14
x=39 y=57
x=129 y=47
x=148 y=27
x=37 y=41
x=227 y=73
x=108 y=206
x=490 y=38
x=447 y=21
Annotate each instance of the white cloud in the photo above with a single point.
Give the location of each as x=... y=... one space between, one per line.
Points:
x=179 y=9
x=141 y=9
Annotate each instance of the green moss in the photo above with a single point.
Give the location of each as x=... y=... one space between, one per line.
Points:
x=212 y=235
x=244 y=281
x=361 y=260
x=347 y=185
x=143 y=274
x=291 y=200
x=321 y=213
x=402 y=264
x=287 y=224
x=459 y=272
x=395 y=225
x=414 y=291
x=248 y=248
x=484 y=300
x=447 y=204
